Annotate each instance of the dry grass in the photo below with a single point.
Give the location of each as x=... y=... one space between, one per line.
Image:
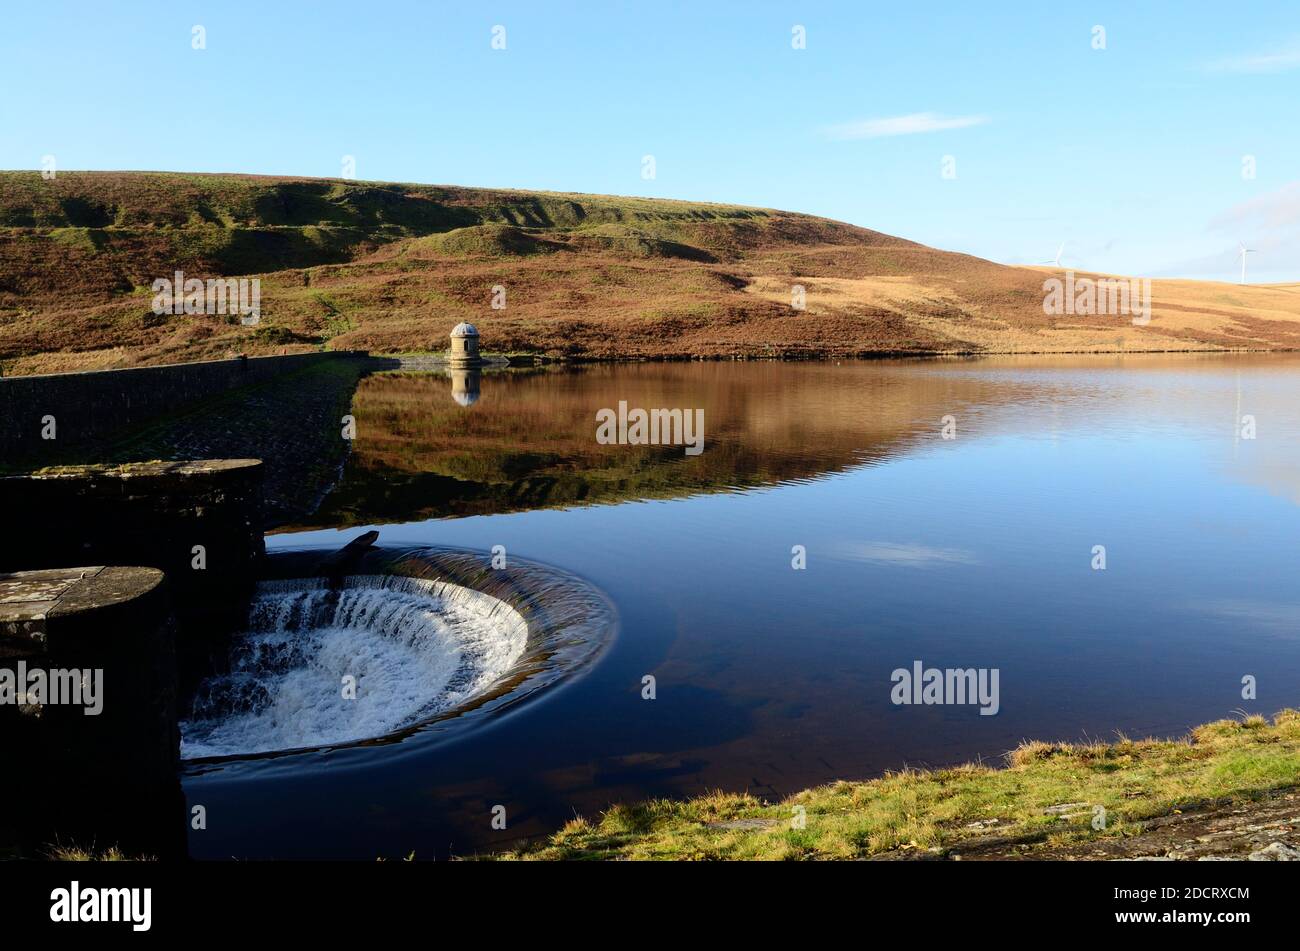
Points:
x=391 y=267
x=72 y=853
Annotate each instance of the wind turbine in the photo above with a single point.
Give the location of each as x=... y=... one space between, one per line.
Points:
x=1242 y=254
x=1059 y=251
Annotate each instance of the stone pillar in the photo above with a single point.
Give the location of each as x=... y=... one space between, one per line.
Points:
x=92 y=781
x=200 y=522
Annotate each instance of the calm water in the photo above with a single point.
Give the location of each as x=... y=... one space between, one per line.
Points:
x=970 y=552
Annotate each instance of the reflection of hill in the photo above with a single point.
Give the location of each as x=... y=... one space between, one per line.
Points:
x=529 y=442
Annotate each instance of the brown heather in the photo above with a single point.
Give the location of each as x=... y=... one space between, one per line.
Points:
x=391 y=267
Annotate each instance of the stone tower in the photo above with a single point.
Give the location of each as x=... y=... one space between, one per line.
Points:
x=464 y=347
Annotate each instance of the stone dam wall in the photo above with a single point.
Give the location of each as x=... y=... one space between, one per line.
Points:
x=90 y=407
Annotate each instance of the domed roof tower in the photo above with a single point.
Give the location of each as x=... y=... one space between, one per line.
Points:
x=464 y=346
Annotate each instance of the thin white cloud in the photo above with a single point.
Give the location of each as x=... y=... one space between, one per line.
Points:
x=1269 y=224
x=1273 y=616
x=1273 y=262
x=1275 y=210
x=901 y=125
x=1278 y=61
x=904 y=555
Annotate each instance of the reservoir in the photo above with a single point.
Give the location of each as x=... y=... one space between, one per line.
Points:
x=1115 y=536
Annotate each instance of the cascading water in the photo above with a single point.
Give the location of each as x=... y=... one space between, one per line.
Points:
x=320 y=667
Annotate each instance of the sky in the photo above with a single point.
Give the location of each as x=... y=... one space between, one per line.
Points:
x=1007 y=130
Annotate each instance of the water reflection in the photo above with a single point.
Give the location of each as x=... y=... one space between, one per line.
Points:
x=530 y=441
x=465 y=385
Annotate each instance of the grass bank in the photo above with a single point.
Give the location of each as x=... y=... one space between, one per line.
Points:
x=1047 y=795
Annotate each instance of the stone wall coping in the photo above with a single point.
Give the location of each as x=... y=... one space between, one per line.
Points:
x=183 y=365
x=138 y=470
x=59 y=592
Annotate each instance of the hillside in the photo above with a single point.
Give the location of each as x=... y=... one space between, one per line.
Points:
x=391 y=267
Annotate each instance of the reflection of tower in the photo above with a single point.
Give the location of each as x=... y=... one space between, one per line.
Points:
x=464 y=386
x=464 y=347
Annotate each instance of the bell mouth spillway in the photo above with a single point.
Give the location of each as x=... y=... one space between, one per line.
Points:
x=431 y=639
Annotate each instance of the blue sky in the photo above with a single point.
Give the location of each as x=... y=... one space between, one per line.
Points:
x=1131 y=155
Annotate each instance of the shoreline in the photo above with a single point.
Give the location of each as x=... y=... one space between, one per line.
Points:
x=1229 y=789
x=827 y=356
x=519 y=360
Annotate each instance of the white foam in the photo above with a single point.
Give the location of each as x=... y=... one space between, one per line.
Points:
x=416 y=648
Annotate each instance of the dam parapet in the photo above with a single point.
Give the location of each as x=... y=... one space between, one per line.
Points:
x=70 y=411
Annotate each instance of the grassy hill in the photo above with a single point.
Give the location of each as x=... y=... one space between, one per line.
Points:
x=391 y=267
